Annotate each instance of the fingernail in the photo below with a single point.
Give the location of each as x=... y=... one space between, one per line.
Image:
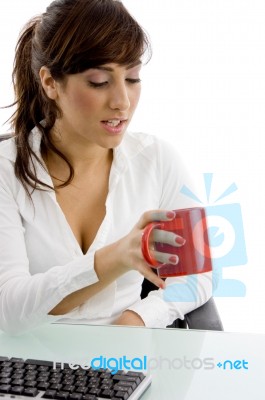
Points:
x=170 y=214
x=162 y=285
x=180 y=240
x=173 y=259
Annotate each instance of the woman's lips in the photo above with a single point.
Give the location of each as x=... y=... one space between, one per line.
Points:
x=114 y=127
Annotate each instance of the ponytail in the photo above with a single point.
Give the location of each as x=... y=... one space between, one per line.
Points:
x=32 y=106
x=24 y=82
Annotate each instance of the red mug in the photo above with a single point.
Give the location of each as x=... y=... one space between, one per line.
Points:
x=194 y=256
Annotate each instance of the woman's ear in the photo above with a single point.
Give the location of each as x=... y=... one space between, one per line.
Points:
x=48 y=83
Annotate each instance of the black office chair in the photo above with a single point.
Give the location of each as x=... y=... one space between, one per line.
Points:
x=205 y=317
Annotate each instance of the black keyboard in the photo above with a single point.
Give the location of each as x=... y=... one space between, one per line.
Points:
x=21 y=379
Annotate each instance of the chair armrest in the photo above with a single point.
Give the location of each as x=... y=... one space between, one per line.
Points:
x=205 y=317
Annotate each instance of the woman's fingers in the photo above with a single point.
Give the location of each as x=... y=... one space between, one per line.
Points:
x=165 y=258
x=167 y=238
x=155 y=215
x=150 y=275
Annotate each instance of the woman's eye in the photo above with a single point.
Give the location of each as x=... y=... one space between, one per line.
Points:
x=97 y=84
x=105 y=83
x=130 y=80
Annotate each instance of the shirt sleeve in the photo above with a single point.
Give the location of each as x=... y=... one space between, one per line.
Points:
x=182 y=294
x=25 y=299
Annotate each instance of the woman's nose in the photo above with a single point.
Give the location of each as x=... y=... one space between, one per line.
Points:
x=119 y=98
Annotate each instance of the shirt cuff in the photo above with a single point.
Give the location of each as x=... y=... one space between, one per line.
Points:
x=153 y=311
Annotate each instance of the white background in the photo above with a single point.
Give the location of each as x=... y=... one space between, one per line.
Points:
x=204 y=91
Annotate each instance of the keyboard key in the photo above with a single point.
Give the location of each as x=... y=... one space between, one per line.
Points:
x=54 y=374
x=80 y=372
x=17 y=376
x=67 y=372
x=19 y=371
x=120 y=372
x=76 y=396
x=93 y=385
x=30 y=384
x=132 y=385
x=19 y=365
x=49 y=394
x=30 y=392
x=43 y=386
x=29 y=373
x=42 y=378
x=69 y=388
x=107 y=394
x=106 y=375
x=16 y=360
x=5 y=381
x=93 y=373
x=17 y=389
x=43 y=375
x=43 y=368
x=95 y=391
x=126 y=378
x=57 y=379
x=39 y=362
x=82 y=381
x=6 y=364
x=82 y=389
x=5 y=374
x=18 y=382
x=126 y=389
x=122 y=395
x=2 y=359
x=68 y=381
x=56 y=386
x=30 y=367
x=62 y=395
x=5 y=388
x=140 y=375
x=7 y=370
x=106 y=386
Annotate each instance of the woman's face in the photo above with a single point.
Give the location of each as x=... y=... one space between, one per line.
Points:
x=98 y=104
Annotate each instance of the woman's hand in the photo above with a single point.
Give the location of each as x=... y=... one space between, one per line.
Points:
x=116 y=259
x=127 y=252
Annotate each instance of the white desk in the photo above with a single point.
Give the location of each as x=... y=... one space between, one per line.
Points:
x=170 y=347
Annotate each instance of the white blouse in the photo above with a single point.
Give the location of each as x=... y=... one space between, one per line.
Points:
x=41 y=261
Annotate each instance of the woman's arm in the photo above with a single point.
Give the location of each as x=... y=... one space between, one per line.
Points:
x=114 y=260
x=181 y=294
x=28 y=300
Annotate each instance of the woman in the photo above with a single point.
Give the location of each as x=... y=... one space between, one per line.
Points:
x=74 y=182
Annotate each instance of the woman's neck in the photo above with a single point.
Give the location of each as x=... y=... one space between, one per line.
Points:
x=85 y=157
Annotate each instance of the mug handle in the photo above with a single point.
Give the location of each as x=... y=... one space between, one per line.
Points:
x=145 y=243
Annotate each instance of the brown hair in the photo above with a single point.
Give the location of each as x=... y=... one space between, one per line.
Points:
x=70 y=37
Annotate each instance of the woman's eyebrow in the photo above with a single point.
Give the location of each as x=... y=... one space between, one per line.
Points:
x=109 y=69
x=134 y=64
